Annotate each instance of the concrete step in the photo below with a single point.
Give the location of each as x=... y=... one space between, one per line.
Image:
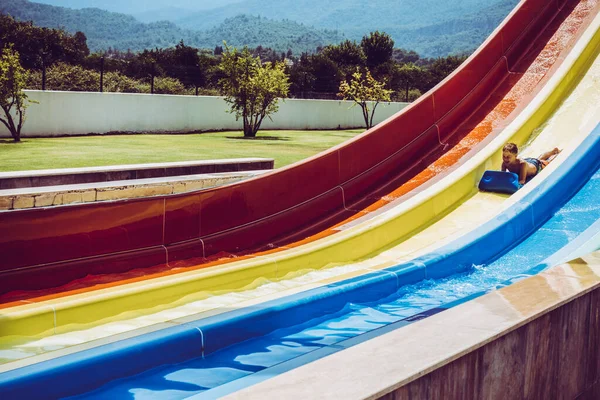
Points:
x=48 y=196
x=73 y=176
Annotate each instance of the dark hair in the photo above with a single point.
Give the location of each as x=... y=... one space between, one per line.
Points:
x=511 y=148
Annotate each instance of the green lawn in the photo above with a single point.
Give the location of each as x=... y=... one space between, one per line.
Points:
x=285 y=147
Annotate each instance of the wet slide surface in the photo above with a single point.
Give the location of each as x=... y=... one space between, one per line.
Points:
x=411 y=303
x=384 y=182
x=330 y=333
x=71 y=313
x=193 y=378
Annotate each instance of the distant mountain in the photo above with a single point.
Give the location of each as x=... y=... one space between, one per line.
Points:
x=453 y=36
x=278 y=35
x=347 y=15
x=430 y=27
x=140 y=6
x=119 y=31
x=162 y=14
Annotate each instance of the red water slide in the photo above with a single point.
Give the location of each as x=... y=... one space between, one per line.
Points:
x=49 y=247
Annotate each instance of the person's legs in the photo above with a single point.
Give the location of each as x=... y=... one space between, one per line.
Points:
x=549 y=155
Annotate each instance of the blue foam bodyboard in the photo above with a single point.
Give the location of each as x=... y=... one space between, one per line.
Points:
x=499 y=181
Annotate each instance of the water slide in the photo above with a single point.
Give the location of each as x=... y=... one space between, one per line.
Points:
x=352 y=181
x=38 y=317
x=482 y=159
x=34 y=257
x=556 y=215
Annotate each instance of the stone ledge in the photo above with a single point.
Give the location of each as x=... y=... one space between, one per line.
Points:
x=23 y=198
x=74 y=176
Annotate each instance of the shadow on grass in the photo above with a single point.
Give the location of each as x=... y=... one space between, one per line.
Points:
x=281 y=138
x=10 y=141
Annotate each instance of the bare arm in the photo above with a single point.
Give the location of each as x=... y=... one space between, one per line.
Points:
x=523 y=173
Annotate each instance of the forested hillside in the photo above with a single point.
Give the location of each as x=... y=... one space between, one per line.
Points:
x=431 y=27
x=57 y=60
x=119 y=31
x=454 y=36
x=137 y=6
x=278 y=35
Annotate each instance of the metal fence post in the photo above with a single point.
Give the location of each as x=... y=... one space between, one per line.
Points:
x=101 y=74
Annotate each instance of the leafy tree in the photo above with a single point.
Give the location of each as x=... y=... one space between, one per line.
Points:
x=166 y=85
x=183 y=63
x=405 y=56
x=62 y=76
x=325 y=72
x=363 y=89
x=409 y=74
x=12 y=98
x=209 y=70
x=301 y=77
x=347 y=55
x=413 y=94
x=378 y=48
x=441 y=67
x=119 y=83
x=266 y=54
x=251 y=87
x=42 y=47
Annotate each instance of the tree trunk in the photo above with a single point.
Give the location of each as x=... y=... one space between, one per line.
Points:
x=365 y=115
x=248 y=128
x=9 y=123
x=248 y=131
x=373 y=115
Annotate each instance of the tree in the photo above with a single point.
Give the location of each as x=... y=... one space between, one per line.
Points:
x=12 y=81
x=251 y=87
x=362 y=89
x=441 y=68
x=183 y=63
x=301 y=77
x=409 y=74
x=42 y=47
x=347 y=55
x=325 y=72
x=378 y=48
x=405 y=56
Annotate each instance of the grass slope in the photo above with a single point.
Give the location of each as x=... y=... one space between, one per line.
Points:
x=285 y=147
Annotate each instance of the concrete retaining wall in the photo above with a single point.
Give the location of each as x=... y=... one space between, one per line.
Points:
x=77 y=113
x=556 y=356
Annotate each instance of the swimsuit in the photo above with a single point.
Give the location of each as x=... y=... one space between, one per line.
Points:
x=536 y=163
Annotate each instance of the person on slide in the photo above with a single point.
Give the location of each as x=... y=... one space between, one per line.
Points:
x=526 y=168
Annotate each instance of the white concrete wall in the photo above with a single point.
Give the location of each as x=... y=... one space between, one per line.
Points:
x=77 y=113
